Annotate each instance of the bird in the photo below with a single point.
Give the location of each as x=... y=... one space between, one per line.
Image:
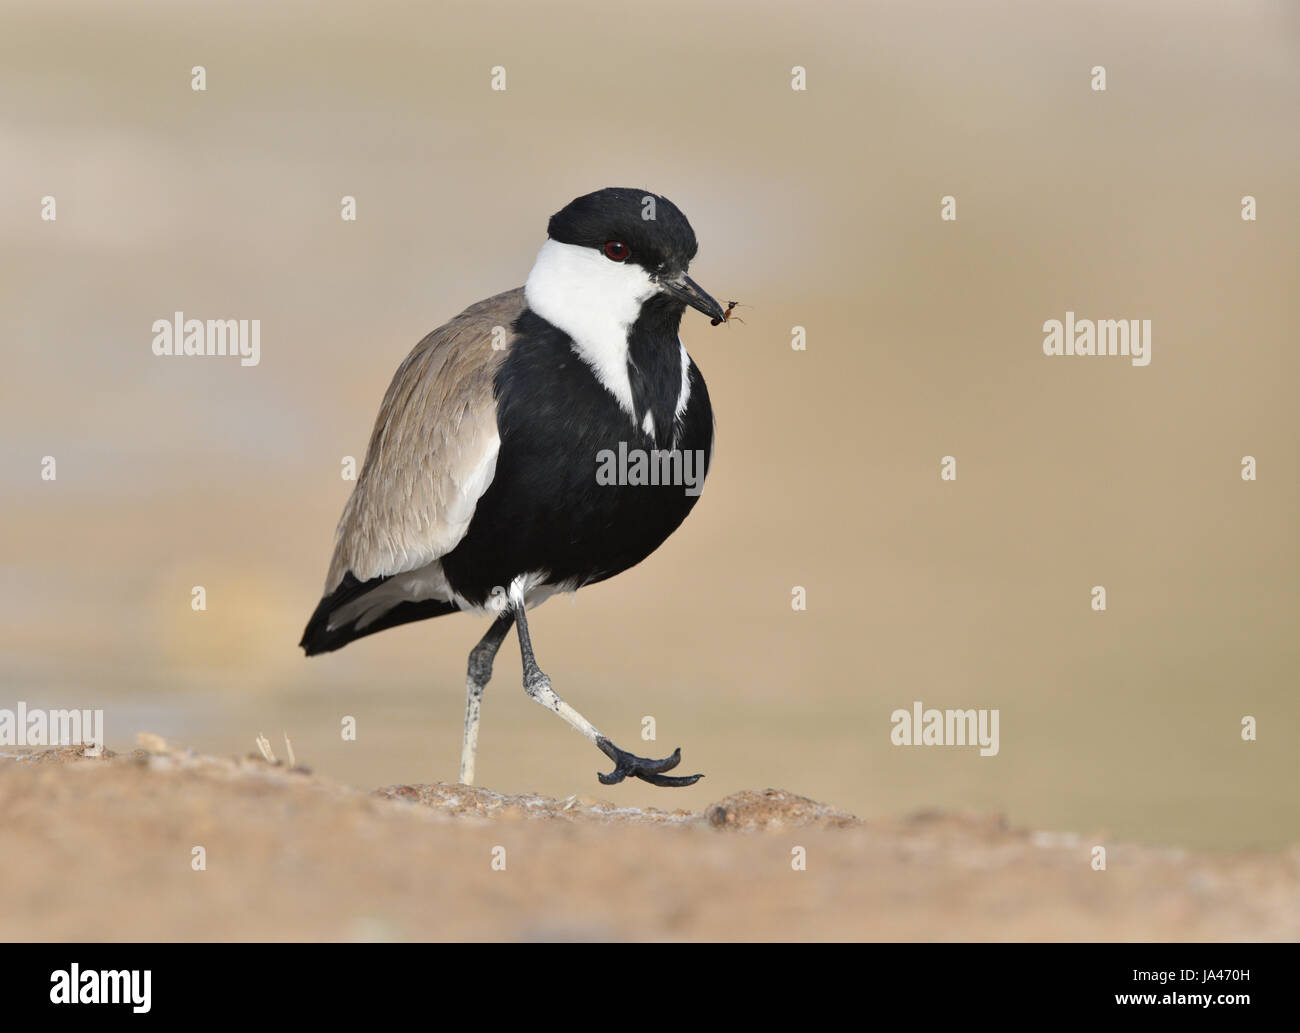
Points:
x=482 y=487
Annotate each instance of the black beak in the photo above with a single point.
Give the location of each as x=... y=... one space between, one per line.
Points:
x=691 y=293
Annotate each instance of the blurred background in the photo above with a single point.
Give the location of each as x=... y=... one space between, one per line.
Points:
x=818 y=209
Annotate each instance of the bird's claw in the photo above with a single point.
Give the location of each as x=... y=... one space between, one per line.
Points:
x=651 y=771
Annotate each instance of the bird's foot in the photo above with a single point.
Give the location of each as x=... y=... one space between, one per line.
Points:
x=651 y=771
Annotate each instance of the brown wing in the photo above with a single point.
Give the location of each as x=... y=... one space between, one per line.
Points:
x=433 y=451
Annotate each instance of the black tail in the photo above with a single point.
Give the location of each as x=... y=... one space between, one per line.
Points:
x=319 y=637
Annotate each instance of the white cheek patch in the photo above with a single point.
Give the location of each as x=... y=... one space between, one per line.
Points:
x=594 y=301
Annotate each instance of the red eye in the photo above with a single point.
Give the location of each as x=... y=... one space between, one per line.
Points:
x=616 y=251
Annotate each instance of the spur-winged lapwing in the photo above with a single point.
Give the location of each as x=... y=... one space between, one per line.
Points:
x=482 y=488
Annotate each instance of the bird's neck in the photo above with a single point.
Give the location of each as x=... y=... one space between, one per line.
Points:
x=594 y=301
x=658 y=368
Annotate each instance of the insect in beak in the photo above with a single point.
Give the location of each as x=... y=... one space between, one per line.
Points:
x=726 y=316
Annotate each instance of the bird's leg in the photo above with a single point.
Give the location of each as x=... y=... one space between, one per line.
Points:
x=538 y=687
x=480 y=673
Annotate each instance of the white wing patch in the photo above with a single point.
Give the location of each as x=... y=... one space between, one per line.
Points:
x=428 y=582
x=460 y=506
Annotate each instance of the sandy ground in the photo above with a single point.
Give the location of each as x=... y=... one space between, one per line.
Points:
x=102 y=849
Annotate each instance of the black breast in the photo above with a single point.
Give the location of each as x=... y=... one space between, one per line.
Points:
x=550 y=506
